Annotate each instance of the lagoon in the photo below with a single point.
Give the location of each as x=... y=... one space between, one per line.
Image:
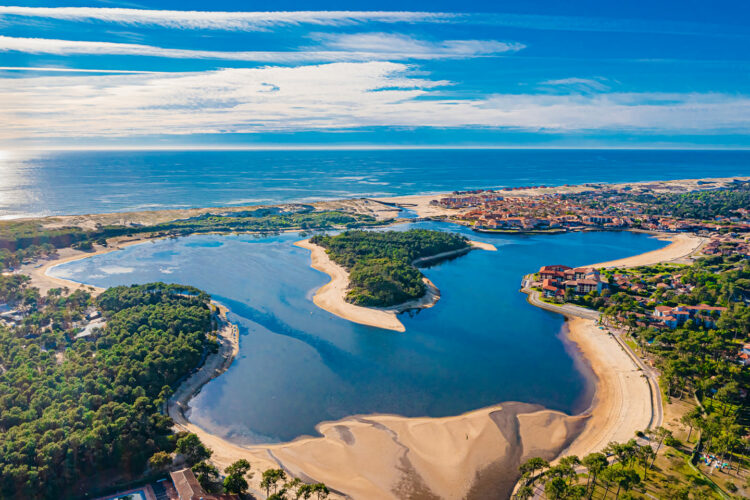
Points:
x=299 y=365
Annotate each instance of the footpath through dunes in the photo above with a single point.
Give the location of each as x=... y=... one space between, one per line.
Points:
x=331 y=297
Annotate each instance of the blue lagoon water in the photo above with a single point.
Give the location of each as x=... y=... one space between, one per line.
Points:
x=299 y=365
x=109 y=181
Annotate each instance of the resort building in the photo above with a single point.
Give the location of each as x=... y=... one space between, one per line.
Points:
x=188 y=487
x=556 y=279
x=701 y=314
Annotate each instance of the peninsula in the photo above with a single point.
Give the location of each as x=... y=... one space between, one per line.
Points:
x=374 y=275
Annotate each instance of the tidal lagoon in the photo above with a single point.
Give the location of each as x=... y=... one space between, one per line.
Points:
x=299 y=365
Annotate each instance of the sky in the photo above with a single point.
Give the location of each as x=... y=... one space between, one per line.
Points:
x=112 y=73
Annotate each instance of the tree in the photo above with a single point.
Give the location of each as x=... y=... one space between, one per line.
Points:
x=661 y=434
x=235 y=481
x=160 y=460
x=321 y=491
x=532 y=465
x=235 y=484
x=194 y=450
x=270 y=479
x=556 y=488
x=206 y=474
x=690 y=419
x=595 y=463
x=525 y=492
x=644 y=453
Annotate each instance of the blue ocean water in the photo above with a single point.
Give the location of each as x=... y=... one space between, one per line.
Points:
x=57 y=183
x=299 y=365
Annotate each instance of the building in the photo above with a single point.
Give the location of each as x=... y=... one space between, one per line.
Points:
x=701 y=314
x=557 y=279
x=188 y=487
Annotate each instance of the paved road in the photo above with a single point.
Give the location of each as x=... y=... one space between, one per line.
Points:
x=657 y=411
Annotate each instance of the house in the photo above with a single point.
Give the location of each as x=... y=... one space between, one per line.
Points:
x=701 y=314
x=188 y=487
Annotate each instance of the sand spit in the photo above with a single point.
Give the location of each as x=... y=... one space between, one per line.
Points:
x=331 y=296
x=682 y=247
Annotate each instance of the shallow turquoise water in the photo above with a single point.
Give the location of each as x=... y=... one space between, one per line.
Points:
x=299 y=365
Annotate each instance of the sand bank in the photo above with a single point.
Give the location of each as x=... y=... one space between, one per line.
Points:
x=331 y=296
x=681 y=248
x=41 y=279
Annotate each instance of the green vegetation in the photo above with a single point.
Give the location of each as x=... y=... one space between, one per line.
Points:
x=20 y=240
x=73 y=410
x=380 y=263
x=701 y=205
x=624 y=470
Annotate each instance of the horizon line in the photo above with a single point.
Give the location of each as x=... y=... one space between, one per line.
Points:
x=366 y=147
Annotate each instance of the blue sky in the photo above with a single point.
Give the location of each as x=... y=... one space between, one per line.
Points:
x=521 y=74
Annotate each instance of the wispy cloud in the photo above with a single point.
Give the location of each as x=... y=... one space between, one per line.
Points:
x=367 y=48
x=250 y=21
x=52 y=69
x=390 y=43
x=578 y=84
x=337 y=96
x=222 y=20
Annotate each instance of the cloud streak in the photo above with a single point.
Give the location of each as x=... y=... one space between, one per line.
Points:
x=326 y=97
x=376 y=47
x=245 y=21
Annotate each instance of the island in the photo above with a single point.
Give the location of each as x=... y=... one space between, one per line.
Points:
x=374 y=274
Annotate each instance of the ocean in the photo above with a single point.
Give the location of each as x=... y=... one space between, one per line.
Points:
x=60 y=183
x=299 y=365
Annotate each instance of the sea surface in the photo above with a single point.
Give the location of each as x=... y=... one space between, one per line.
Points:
x=300 y=365
x=59 y=183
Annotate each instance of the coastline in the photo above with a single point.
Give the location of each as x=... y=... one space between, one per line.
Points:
x=41 y=279
x=387 y=456
x=682 y=246
x=331 y=296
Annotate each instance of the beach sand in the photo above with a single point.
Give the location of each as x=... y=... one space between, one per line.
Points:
x=622 y=403
x=682 y=247
x=474 y=455
x=44 y=282
x=331 y=296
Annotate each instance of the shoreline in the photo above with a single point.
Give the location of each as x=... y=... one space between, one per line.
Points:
x=463 y=456
x=331 y=296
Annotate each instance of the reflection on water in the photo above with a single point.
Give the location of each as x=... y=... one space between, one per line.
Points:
x=299 y=365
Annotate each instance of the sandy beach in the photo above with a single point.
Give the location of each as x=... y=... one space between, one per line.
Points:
x=331 y=296
x=473 y=455
x=41 y=279
x=682 y=247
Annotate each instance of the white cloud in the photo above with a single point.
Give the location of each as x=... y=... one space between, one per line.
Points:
x=221 y=20
x=393 y=47
x=333 y=96
x=578 y=84
x=388 y=43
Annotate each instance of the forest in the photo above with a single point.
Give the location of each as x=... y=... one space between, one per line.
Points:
x=380 y=263
x=77 y=411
